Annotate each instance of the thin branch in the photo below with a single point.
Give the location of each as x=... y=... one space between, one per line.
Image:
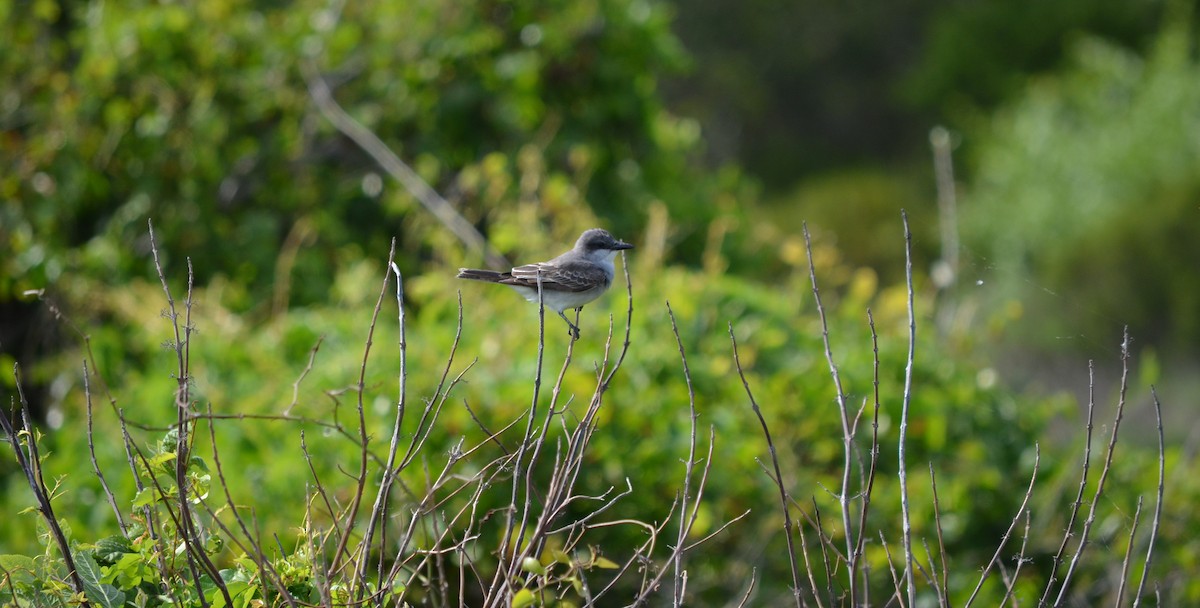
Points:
x=1162 y=464
x=30 y=464
x=312 y=357
x=1037 y=456
x=685 y=524
x=198 y=558
x=1108 y=457
x=360 y=485
x=843 y=496
x=825 y=543
x=1083 y=478
x=897 y=587
x=749 y=588
x=869 y=486
x=112 y=500
x=908 y=371
x=252 y=547
x=572 y=527
x=719 y=530
x=783 y=496
x=379 y=509
x=1011 y=585
x=496 y=595
x=370 y=143
x=1137 y=518
x=942 y=588
x=441 y=391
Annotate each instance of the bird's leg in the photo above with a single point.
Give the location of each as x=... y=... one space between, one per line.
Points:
x=574 y=329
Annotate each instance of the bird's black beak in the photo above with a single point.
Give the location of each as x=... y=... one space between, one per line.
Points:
x=620 y=245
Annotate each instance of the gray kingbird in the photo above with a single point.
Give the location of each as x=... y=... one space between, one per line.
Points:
x=569 y=280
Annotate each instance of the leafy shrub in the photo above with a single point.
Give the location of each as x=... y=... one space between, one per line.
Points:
x=289 y=461
x=201 y=115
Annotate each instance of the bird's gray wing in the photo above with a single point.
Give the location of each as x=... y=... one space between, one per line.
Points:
x=560 y=277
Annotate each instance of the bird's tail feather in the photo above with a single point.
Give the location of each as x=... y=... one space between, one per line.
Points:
x=489 y=276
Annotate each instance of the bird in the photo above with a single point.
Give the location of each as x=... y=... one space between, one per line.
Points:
x=570 y=280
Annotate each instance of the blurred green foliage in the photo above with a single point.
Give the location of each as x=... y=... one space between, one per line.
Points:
x=1087 y=186
x=198 y=115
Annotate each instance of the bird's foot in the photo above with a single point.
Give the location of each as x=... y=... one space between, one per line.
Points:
x=572 y=328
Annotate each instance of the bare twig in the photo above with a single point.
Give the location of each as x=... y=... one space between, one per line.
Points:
x=873 y=461
x=749 y=588
x=897 y=587
x=58 y=313
x=1108 y=458
x=30 y=464
x=360 y=485
x=1137 y=518
x=312 y=357
x=941 y=587
x=112 y=500
x=843 y=496
x=509 y=549
x=1011 y=584
x=808 y=566
x=582 y=522
x=640 y=556
x=1162 y=464
x=252 y=547
x=370 y=143
x=198 y=558
x=1083 y=478
x=441 y=392
x=379 y=509
x=685 y=523
x=1037 y=455
x=908 y=371
x=783 y=495
x=719 y=530
x=628 y=323
x=825 y=543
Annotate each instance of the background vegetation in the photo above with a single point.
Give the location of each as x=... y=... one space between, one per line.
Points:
x=703 y=134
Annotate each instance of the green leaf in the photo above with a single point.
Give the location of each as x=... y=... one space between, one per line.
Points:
x=533 y=566
x=98 y=592
x=145 y=497
x=524 y=598
x=132 y=570
x=605 y=563
x=110 y=548
x=20 y=567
